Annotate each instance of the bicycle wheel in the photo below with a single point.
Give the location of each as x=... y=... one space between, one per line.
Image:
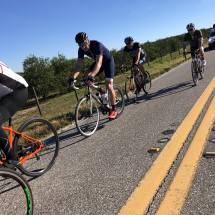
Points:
x=87 y=116
x=42 y=130
x=131 y=89
x=194 y=74
x=120 y=100
x=201 y=69
x=15 y=193
x=146 y=82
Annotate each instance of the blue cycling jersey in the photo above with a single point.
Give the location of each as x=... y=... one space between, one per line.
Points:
x=96 y=48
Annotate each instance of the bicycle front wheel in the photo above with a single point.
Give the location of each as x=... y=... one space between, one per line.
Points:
x=131 y=89
x=42 y=130
x=15 y=192
x=194 y=74
x=147 y=83
x=120 y=100
x=87 y=116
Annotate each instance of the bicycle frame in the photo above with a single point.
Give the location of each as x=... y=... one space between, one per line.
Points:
x=30 y=139
x=195 y=59
x=91 y=95
x=133 y=74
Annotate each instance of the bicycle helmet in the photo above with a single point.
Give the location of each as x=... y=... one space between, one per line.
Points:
x=190 y=26
x=80 y=37
x=128 y=39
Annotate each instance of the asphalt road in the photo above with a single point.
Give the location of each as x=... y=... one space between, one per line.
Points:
x=96 y=175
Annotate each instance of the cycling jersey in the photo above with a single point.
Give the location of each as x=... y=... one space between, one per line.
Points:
x=10 y=81
x=133 y=52
x=96 y=48
x=194 y=40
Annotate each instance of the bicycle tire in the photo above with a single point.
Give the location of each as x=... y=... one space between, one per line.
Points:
x=43 y=130
x=195 y=78
x=87 y=120
x=130 y=88
x=201 y=70
x=16 y=194
x=120 y=100
x=147 y=83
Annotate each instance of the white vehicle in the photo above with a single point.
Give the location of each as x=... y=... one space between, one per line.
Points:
x=211 y=39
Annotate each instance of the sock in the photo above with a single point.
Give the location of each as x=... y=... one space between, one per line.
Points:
x=203 y=58
x=113 y=107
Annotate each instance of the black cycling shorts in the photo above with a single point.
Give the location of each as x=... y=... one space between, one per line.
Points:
x=108 y=67
x=12 y=102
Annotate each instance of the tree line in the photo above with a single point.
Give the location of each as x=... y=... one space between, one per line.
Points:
x=51 y=75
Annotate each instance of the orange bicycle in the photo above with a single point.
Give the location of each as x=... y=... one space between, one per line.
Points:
x=36 y=143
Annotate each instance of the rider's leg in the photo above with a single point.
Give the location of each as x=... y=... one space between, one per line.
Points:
x=9 y=105
x=109 y=86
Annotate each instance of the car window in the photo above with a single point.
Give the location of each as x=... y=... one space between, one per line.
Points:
x=212 y=34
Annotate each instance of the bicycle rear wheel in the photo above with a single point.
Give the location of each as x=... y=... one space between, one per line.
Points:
x=146 y=82
x=87 y=116
x=120 y=100
x=42 y=130
x=15 y=193
x=131 y=89
x=194 y=74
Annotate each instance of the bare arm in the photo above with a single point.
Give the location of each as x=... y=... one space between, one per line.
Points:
x=138 y=56
x=200 y=42
x=78 y=67
x=98 y=65
x=184 y=45
x=124 y=58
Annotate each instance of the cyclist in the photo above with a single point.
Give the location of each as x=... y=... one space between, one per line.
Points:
x=196 y=42
x=138 y=54
x=13 y=95
x=103 y=61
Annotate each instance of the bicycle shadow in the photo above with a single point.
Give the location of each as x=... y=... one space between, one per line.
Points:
x=174 y=89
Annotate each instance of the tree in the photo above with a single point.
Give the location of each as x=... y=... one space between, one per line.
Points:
x=39 y=73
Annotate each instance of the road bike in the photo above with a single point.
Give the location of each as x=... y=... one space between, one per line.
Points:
x=36 y=143
x=15 y=194
x=87 y=111
x=198 y=69
x=135 y=82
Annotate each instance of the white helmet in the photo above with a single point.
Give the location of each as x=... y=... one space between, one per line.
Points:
x=190 y=26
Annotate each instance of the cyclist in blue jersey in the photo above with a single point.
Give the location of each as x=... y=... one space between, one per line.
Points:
x=13 y=95
x=137 y=53
x=103 y=61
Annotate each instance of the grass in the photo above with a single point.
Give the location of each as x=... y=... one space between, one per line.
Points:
x=60 y=109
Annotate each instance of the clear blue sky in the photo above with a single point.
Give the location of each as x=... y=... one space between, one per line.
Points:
x=46 y=27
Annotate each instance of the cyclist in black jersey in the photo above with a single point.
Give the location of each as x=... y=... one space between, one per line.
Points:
x=13 y=95
x=103 y=61
x=196 y=41
x=135 y=51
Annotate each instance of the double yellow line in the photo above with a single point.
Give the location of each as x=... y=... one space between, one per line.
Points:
x=174 y=199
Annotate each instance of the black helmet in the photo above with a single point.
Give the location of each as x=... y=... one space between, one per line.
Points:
x=190 y=26
x=128 y=39
x=80 y=37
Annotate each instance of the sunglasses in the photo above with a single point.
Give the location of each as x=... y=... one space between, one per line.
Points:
x=83 y=44
x=128 y=43
x=190 y=29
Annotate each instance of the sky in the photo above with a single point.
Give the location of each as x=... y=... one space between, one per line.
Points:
x=45 y=28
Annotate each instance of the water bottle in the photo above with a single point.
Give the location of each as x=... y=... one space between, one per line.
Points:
x=100 y=97
x=104 y=98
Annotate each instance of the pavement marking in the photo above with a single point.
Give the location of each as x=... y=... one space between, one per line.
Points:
x=177 y=192
x=143 y=194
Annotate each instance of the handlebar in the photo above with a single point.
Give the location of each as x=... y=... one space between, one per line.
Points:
x=195 y=52
x=83 y=81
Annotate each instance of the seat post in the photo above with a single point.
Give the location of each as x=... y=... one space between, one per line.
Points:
x=10 y=122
